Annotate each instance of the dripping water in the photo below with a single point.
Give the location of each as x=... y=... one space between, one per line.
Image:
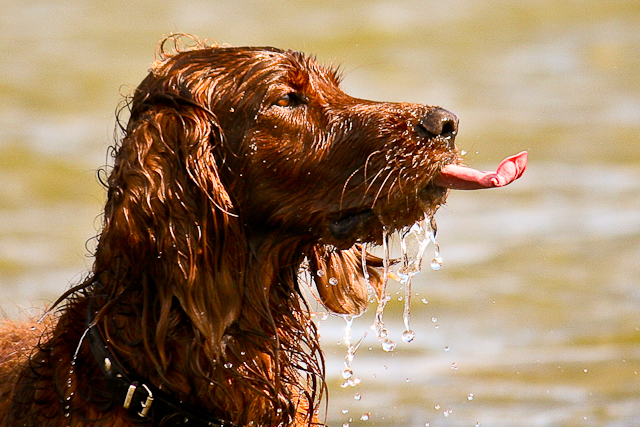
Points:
x=378 y=325
x=67 y=406
x=347 y=373
x=413 y=244
x=365 y=272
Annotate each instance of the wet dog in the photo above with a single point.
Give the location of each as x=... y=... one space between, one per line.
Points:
x=236 y=165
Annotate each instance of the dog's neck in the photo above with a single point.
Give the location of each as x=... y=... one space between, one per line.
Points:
x=243 y=377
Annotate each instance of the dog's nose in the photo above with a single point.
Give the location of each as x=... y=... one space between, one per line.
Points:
x=438 y=122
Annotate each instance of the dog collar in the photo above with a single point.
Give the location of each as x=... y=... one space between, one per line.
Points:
x=142 y=400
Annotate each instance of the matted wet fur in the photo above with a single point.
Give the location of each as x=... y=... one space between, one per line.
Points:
x=237 y=166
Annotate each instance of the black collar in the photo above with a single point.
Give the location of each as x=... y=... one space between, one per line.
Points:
x=143 y=401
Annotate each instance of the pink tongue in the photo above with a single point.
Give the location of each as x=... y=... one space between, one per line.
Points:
x=463 y=178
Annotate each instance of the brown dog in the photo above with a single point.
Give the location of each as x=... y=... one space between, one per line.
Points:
x=236 y=165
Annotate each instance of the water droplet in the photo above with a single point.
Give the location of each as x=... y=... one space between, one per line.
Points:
x=320 y=273
x=365 y=417
x=347 y=373
x=447 y=348
x=408 y=336
x=436 y=263
x=434 y=319
x=454 y=366
x=333 y=281
x=345 y=411
x=388 y=345
x=228 y=365
x=33 y=328
x=408 y=380
x=437 y=407
x=365 y=270
x=586 y=370
x=345 y=425
x=357 y=396
x=424 y=301
x=470 y=396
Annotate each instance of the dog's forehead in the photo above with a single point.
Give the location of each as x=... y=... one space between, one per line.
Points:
x=305 y=72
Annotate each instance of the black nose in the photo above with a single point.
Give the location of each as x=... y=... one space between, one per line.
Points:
x=438 y=122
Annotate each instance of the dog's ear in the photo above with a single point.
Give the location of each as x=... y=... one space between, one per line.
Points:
x=341 y=280
x=169 y=219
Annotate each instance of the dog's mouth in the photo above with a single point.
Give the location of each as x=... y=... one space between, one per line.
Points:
x=351 y=222
x=359 y=224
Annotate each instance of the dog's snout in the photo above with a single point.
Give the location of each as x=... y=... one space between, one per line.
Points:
x=438 y=122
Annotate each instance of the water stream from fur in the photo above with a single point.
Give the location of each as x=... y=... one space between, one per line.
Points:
x=414 y=241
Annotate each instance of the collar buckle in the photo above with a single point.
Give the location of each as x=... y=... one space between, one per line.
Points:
x=148 y=400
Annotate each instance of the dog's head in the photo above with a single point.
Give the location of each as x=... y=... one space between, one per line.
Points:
x=265 y=144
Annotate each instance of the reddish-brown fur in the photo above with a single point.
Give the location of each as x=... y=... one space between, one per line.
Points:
x=236 y=167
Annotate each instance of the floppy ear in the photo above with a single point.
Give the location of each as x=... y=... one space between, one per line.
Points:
x=340 y=278
x=169 y=221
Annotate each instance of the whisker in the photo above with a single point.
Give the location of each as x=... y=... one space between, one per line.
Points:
x=395 y=181
x=375 y=199
x=344 y=187
x=366 y=163
x=366 y=191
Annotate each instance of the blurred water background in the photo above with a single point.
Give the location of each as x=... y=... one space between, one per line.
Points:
x=533 y=319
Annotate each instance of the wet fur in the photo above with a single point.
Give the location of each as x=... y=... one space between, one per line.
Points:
x=236 y=167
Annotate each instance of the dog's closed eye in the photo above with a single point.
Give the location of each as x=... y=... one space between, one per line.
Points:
x=292 y=99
